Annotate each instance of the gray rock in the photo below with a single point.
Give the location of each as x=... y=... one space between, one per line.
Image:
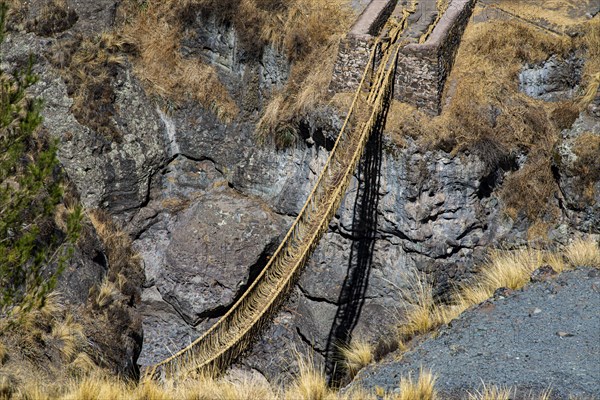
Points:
x=504 y=342
x=579 y=179
x=84 y=16
x=276 y=353
x=165 y=332
x=108 y=174
x=215 y=247
x=552 y=80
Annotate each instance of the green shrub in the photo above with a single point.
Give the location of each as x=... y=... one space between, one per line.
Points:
x=33 y=251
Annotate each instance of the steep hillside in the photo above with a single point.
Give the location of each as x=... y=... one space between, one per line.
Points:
x=192 y=132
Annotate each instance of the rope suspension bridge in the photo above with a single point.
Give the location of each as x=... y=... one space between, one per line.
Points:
x=231 y=335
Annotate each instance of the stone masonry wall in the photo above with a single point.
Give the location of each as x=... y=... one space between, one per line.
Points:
x=352 y=59
x=422 y=68
x=355 y=48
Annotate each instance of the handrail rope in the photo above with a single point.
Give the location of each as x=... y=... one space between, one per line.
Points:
x=292 y=228
x=231 y=337
x=442 y=6
x=337 y=195
x=304 y=219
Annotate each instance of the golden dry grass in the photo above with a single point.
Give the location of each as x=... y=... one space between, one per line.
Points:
x=357 y=355
x=107 y=293
x=3 y=353
x=486 y=114
x=88 y=67
x=308 y=84
x=421 y=389
x=422 y=314
x=69 y=335
x=124 y=263
x=583 y=253
x=591 y=73
x=587 y=164
x=491 y=392
x=503 y=269
x=156 y=32
x=310 y=384
x=98 y=386
x=295 y=28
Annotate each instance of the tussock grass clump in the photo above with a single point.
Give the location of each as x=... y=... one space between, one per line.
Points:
x=357 y=355
x=491 y=392
x=69 y=335
x=587 y=165
x=421 y=389
x=89 y=67
x=3 y=353
x=107 y=293
x=423 y=313
x=41 y=349
x=55 y=16
x=504 y=269
x=591 y=73
x=156 y=29
x=583 y=253
x=125 y=268
x=310 y=384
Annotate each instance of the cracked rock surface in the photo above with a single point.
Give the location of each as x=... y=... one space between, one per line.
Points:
x=205 y=204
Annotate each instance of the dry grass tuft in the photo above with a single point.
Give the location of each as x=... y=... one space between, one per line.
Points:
x=423 y=313
x=83 y=365
x=3 y=353
x=310 y=384
x=421 y=389
x=510 y=269
x=486 y=114
x=591 y=73
x=107 y=293
x=357 y=355
x=93 y=388
x=125 y=269
x=587 y=165
x=308 y=42
x=54 y=17
x=89 y=67
x=492 y=393
x=156 y=30
x=209 y=388
x=70 y=336
x=530 y=189
x=503 y=269
x=583 y=253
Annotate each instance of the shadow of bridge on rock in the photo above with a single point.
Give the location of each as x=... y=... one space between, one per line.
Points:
x=364 y=234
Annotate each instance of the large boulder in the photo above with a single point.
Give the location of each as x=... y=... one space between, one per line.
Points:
x=216 y=247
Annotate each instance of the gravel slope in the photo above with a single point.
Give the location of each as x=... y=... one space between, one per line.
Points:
x=546 y=335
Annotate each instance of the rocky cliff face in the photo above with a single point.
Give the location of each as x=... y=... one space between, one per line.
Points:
x=205 y=204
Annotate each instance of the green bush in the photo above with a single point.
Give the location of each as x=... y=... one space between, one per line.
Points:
x=33 y=251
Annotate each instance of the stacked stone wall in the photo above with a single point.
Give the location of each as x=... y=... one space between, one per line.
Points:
x=355 y=48
x=422 y=68
x=353 y=56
